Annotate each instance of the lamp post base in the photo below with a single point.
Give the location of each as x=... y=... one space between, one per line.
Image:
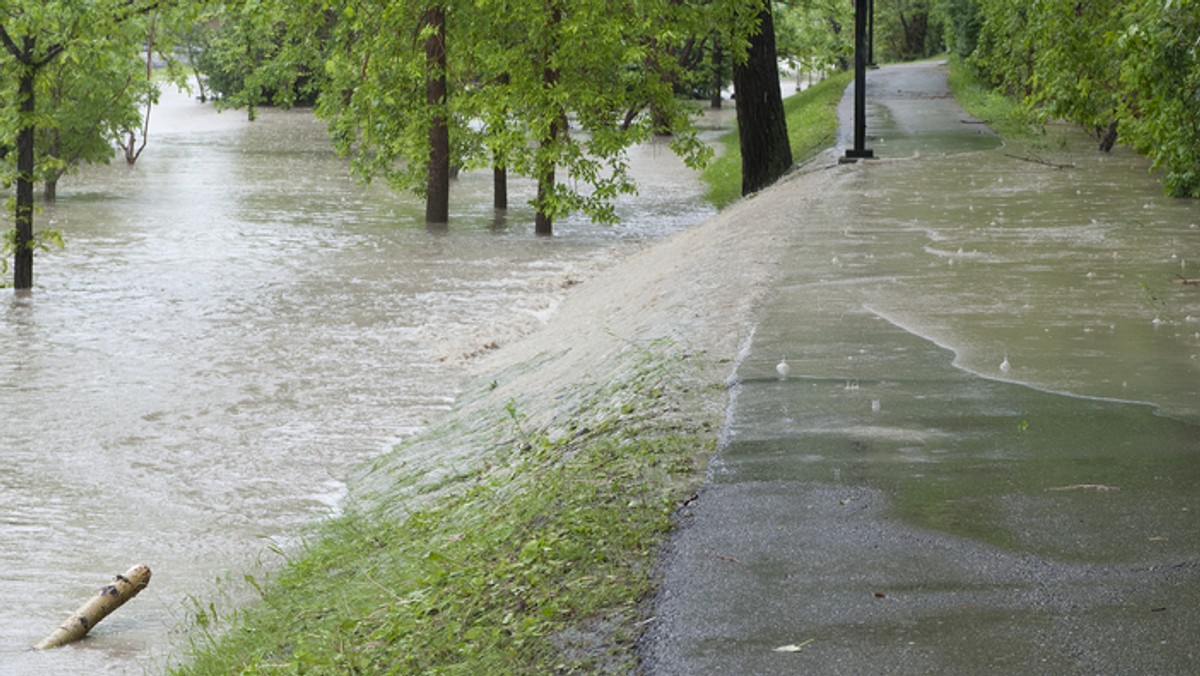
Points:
x=853 y=156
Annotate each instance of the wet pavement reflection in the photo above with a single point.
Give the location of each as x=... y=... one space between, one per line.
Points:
x=985 y=453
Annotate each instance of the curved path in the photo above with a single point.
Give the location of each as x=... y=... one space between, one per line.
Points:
x=916 y=497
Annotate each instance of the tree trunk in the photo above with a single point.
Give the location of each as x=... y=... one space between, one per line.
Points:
x=718 y=67
x=499 y=185
x=762 y=126
x=437 y=198
x=107 y=599
x=23 y=246
x=543 y=224
x=1109 y=138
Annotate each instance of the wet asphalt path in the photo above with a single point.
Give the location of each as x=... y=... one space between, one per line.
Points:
x=816 y=547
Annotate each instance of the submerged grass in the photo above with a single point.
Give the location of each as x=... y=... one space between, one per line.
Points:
x=812 y=127
x=535 y=563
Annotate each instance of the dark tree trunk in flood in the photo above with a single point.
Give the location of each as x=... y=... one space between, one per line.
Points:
x=23 y=246
x=543 y=222
x=1109 y=138
x=499 y=161
x=500 y=186
x=762 y=126
x=437 y=199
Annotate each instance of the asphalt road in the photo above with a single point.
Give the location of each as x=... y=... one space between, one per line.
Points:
x=778 y=568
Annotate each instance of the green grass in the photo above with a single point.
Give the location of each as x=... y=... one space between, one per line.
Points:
x=535 y=562
x=812 y=127
x=1005 y=116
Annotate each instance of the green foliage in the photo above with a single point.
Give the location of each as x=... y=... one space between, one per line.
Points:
x=815 y=36
x=69 y=78
x=1003 y=114
x=960 y=21
x=515 y=72
x=43 y=240
x=812 y=127
x=1159 y=48
x=253 y=52
x=552 y=538
x=1131 y=66
x=907 y=30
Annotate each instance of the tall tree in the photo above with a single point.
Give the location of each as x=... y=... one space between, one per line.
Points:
x=437 y=191
x=34 y=35
x=762 y=124
x=31 y=50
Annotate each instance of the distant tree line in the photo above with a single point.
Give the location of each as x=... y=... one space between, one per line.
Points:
x=1126 y=70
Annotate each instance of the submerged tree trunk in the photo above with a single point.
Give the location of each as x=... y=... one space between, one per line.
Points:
x=544 y=222
x=437 y=198
x=762 y=126
x=23 y=245
x=1108 y=138
x=499 y=161
x=499 y=185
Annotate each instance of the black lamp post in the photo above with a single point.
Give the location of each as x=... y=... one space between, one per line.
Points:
x=871 y=34
x=860 y=151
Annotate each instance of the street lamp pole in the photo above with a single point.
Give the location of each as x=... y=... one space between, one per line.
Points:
x=860 y=151
x=871 y=34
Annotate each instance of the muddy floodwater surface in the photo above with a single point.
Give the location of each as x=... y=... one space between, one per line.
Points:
x=233 y=326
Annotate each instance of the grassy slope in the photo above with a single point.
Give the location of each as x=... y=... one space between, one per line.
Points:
x=1004 y=115
x=533 y=561
x=812 y=127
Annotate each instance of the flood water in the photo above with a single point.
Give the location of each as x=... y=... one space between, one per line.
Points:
x=233 y=325
x=1002 y=347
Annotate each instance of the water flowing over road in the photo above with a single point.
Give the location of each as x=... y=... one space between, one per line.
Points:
x=233 y=326
x=984 y=456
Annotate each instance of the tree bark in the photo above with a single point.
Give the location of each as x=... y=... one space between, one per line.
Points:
x=1109 y=138
x=23 y=246
x=718 y=75
x=762 y=126
x=107 y=599
x=499 y=186
x=437 y=198
x=544 y=222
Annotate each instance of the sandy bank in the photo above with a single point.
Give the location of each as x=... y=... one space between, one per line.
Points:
x=696 y=291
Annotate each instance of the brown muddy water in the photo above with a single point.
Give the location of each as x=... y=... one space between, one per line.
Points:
x=233 y=326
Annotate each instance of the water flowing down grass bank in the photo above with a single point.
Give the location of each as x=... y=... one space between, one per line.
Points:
x=530 y=554
x=812 y=127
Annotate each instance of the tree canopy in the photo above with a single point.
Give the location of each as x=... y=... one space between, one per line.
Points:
x=1127 y=70
x=530 y=86
x=72 y=79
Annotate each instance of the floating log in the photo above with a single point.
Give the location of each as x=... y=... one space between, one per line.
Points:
x=107 y=599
